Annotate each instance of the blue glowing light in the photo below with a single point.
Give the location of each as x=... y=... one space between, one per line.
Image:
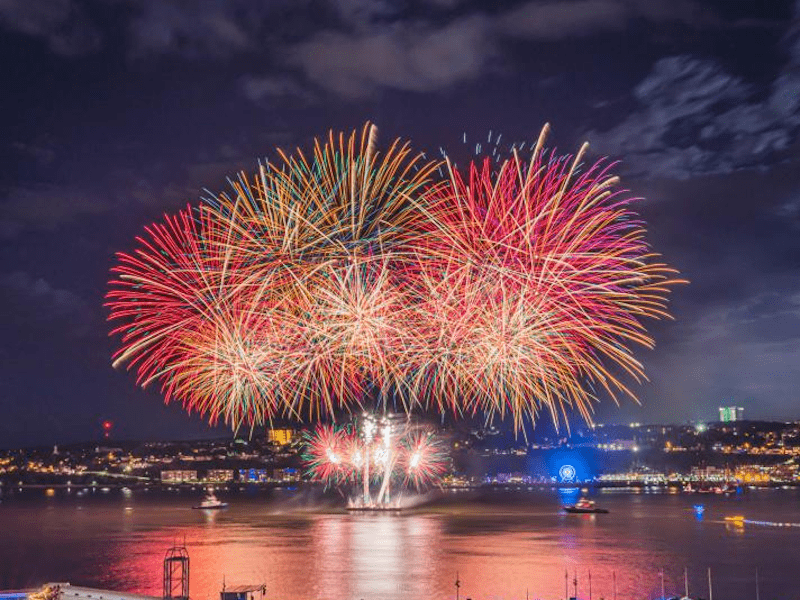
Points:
x=567 y=473
x=699 y=509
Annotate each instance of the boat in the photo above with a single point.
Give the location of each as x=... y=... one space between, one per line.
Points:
x=374 y=509
x=738 y=519
x=727 y=490
x=584 y=506
x=210 y=502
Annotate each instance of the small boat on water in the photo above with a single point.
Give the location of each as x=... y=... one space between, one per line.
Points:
x=736 y=519
x=584 y=506
x=374 y=509
x=707 y=489
x=210 y=502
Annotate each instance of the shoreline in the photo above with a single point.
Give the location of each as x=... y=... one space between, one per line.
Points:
x=6 y=487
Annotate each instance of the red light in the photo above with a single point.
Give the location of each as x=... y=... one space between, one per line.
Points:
x=107 y=425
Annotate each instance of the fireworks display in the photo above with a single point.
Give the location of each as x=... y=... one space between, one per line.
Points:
x=372 y=454
x=511 y=287
x=544 y=281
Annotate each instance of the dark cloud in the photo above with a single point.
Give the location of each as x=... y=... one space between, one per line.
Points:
x=369 y=45
x=190 y=29
x=363 y=12
x=693 y=117
x=409 y=56
x=268 y=87
x=41 y=151
x=425 y=56
x=31 y=302
x=559 y=20
x=63 y=24
x=790 y=210
x=206 y=28
x=45 y=208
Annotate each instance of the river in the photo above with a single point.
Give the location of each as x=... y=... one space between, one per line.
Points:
x=501 y=545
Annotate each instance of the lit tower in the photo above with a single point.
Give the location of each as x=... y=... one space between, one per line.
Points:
x=176 y=574
x=730 y=414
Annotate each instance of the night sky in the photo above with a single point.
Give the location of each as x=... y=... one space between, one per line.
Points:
x=115 y=111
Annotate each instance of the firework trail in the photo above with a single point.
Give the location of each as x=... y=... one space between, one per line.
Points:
x=282 y=297
x=512 y=287
x=377 y=452
x=542 y=280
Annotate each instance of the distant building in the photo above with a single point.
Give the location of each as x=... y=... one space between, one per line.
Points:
x=281 y=437
x=254 y=475
x=179 y=476
x=219 y=475
x=710 y=474
x=730 y=414
x=616 y=445
x=286 y=475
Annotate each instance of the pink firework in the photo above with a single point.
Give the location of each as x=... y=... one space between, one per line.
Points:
x=392 y=450
x=515 y=288
x=423 y=459
x=537 y=281
x=328 y=454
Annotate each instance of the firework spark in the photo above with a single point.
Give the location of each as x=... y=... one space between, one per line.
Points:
x=514 y=286
x=331 y=454
x=542 y=280
x=280 y=299
x=376 y=453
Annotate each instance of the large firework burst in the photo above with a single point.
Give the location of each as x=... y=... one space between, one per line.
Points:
x=513 y=287
x=282 y=297
x=538 y=278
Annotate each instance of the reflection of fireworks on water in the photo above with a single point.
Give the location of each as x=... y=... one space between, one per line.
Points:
x=374 y=454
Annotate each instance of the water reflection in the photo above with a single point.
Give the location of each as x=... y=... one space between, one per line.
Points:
x=568 y=495
x=210 y=516
x=499 y=547
x=699 y=511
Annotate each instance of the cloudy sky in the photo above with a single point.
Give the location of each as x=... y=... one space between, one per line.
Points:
x=115 y=111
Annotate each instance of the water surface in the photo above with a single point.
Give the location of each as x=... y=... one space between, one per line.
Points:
x=502 y=545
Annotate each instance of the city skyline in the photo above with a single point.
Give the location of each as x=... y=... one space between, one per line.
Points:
x=285 y=431
x=116 y=115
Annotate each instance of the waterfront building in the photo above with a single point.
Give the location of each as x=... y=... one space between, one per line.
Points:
x=219 y=475
x=254 y=475
x=288 y=475
x=710 y=474
x=179 y=476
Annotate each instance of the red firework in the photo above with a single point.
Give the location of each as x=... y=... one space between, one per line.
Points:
x=513 y=288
